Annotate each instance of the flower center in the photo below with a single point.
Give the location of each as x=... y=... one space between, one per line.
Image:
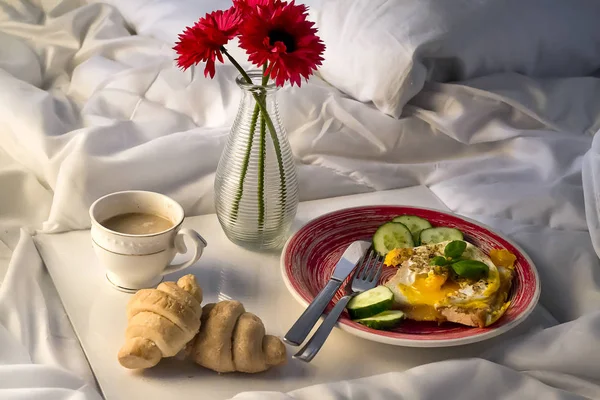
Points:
x=283 y=37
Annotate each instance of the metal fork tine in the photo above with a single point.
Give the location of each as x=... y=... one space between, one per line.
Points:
x=364 y=268
x=369 y=268
x=379 y=269
x=374 y=268
x=371 y=263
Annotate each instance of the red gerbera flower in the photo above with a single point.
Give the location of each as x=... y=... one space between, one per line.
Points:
x=203 y=41
x=249 y=5
x=280 y=34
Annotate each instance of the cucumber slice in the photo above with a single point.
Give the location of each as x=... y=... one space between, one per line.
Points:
x=413 y=223
x=384 y=320
x=417 y=238
x=440 y=234
x=390 y=236
x=370 y=303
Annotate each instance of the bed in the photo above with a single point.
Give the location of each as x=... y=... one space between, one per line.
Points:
x=493 y=105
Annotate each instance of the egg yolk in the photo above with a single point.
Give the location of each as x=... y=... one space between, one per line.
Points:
x=397 y=256
x=427 y=291
x=502 y=258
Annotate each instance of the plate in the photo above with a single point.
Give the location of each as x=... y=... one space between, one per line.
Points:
x=310 y=255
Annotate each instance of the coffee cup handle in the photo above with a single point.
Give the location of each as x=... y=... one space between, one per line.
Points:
x=199 y=244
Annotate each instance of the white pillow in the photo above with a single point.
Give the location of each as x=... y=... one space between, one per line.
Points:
x=384 y=50
x=164 y=19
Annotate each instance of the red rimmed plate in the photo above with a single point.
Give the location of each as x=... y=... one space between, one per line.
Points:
x=310 y=255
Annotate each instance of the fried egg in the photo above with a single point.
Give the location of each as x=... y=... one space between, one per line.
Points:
x=426 y=292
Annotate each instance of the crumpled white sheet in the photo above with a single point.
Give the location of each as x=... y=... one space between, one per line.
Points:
x=89 y=108
x=24 y=201
x=591 y=186
x=40 y=356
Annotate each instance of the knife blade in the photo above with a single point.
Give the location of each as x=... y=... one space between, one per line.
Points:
x=344 y=267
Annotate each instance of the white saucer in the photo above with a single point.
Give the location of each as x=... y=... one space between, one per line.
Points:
x=129 y=290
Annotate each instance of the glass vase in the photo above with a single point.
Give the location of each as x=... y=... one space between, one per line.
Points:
x=256 y=186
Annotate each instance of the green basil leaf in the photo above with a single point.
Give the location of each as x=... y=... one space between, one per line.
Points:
x=439 y=260
x=455 y=248
x=470 y=269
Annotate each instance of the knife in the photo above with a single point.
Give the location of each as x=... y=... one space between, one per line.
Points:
x=352 y=255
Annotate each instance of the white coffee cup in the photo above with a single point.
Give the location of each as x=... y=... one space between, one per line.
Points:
x=140 y=261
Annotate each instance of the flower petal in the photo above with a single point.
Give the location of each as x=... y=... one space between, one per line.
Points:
x=266 y=29
x=203 y=41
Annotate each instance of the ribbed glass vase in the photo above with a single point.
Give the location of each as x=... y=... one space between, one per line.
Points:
x=256 y=186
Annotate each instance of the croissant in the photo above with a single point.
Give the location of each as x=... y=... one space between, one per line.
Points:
x=160 y=322
x=231 y=339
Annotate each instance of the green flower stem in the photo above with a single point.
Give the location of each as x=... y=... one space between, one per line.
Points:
x=282 y=184
x=235 y=64
x=240 y=190
x=261 y=157
x=261 y=176
x=265 y=120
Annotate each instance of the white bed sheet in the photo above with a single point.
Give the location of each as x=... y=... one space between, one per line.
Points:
x=88 y=108
x=24 y=202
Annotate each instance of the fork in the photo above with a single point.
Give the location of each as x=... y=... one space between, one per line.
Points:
x=366 y=277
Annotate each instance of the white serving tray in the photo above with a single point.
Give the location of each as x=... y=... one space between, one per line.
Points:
x=226 y=271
